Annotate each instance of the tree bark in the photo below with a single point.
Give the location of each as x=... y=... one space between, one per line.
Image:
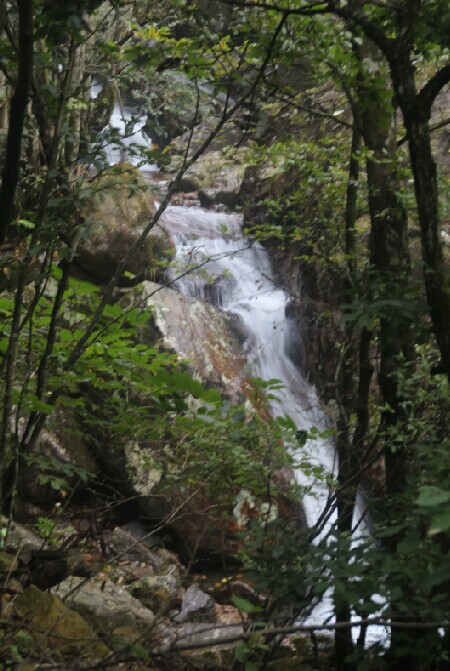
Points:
x=346 y=491
x=19 y=101
x=416 y=113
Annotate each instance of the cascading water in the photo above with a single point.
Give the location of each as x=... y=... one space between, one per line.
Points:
x=132 y=139
x=235 y=275
x=237 y=278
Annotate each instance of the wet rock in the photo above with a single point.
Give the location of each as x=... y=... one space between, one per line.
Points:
x=230 y=199
x=211 y=197
x=201 y=335
x=159 y=592
x=56 y=626
x=105 y=605
x=207 y=197
x=188 y=183
x=196 y=607
x=219 y=170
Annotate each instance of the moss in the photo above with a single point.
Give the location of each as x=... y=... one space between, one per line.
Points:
x=8 y=563
x=119 y=208
x=56 y=627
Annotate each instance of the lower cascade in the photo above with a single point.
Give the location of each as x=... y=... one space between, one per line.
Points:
x=218 y=266
x=234 y=274
x=216 y=263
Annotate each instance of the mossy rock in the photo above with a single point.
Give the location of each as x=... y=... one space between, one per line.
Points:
x=120 y=207
x=158 y=592
x=8 y=563
x=105 y=606
x=55 y=627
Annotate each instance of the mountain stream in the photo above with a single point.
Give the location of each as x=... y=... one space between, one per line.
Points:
x=234 y=275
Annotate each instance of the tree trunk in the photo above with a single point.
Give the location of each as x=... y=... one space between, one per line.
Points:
x=389 y=252
x=346 y=491
x=416 y=114
x=19 y=101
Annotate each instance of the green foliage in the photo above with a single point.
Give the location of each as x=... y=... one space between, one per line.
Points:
x=173 y=59
x=49 y=531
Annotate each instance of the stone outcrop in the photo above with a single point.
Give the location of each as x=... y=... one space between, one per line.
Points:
x=120 y=207
x=104 y=605
x=56 y=627
x=217 y=176
x=201 y=335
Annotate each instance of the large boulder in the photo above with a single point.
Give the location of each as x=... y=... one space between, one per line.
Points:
x=202 y=335
x=56 y=627
x=115 y=215
x=105 y=605
x=158 y=592
x=217 y=176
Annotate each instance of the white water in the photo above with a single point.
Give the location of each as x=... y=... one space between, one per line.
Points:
x=131 y=137
x=238 y=279
x=236 y=276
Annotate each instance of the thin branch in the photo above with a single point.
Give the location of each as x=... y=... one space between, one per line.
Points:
x=178 y=646
x=428 y=94
x=433 y=127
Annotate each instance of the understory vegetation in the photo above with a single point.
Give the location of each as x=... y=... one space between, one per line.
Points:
x=337 y=112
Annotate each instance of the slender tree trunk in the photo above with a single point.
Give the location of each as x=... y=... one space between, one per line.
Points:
x=416 y=114
x=19 y=101
x=389 y=252
x=346 y=492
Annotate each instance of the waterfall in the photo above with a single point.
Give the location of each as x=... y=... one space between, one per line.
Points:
x=235 y=275
x=131 y=138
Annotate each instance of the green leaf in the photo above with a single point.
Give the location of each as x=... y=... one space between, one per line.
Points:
x=431 y=496
x=29 y=225
x=241 y=652
x=439 y=523
x=36 y=405
x=244 y=605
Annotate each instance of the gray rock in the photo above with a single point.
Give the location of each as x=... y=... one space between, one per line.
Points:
x=20 y=537
x=230 y=199
x=115 y=218
x=123 y=544
x=188 y=183
x=159 y=592
x=196 y=607
x=105 y=605
x=207 y=197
